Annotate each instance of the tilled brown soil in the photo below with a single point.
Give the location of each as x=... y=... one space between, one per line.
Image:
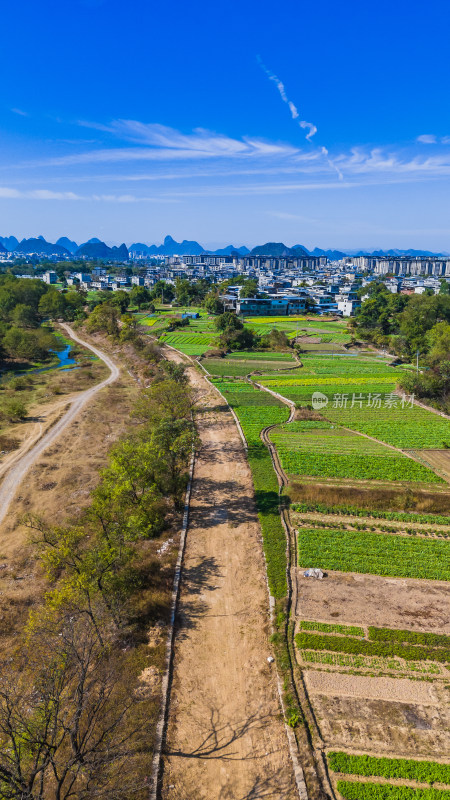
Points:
x=372 y=600
x=225 y=738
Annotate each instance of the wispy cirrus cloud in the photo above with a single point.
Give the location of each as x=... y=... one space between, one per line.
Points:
x=206 y=163
x=11 y=193
x=20 y=112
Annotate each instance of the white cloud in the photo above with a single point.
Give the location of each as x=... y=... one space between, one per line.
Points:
x=427 y=138
x=10 y=193
x=20 y=112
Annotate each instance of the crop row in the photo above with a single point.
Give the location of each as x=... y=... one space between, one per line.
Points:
x=345 y=524
x=329 y=627
x=362 y=647
x=331 y=439
x=356 y=511
x=221 y=366
x=412 y=637
x=269 y=355
x=372 y=663
x=406 y=768
x=354 y=380
x=358 y=790
x=188 y=338
x=374 y=553
x=355 y=466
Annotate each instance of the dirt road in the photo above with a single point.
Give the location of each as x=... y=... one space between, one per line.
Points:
x=18 y=471
x=226 y=739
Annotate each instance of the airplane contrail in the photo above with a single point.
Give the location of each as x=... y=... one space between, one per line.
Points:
x=309 y=126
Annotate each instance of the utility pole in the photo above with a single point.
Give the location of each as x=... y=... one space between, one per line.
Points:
x=417 y=361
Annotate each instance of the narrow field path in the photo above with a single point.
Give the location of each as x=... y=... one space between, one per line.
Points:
x=225 y=738
x=17 y=472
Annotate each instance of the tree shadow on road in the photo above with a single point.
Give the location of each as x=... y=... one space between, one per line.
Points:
x=220 y=742
x=196 y=580
x=233 y=505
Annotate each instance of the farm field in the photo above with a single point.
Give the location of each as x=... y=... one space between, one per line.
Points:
x=315 y=448
x=368 y=638
x=244 y=366
x=374 y=553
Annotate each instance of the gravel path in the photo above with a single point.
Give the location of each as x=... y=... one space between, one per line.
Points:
x=16 y=474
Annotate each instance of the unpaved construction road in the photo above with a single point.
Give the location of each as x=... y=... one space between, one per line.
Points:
x=17 y=472
x=226 y=738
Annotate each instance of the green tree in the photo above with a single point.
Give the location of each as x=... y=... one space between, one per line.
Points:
x=228 y=321
x=139 y=295
x=249 y=288
x=213 y=304
x=120 y=299
x=438 y=343
x=104 y=317
x=52 y=304
x=25 y=316
x=162 y=292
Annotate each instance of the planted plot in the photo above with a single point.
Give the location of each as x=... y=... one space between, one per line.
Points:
x=253 y=355
x=374 y=553
x=224 y=366
x=356 y=511
x=189 y=343
x=406 y=428
x=362 y=647
x=411 y=637
x=329 y=627
x=336 y=453
x=371 y=663
x=358 y=790
x=406 y=768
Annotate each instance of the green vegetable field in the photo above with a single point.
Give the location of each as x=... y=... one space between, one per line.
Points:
x=406 y=768
x=374 y=553
x=338 y=453
x=354 y=790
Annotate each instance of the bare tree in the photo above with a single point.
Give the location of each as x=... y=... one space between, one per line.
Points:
x=69 y=727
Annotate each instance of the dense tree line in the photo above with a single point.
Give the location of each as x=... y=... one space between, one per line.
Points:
x=24 y=305
x=415 y=326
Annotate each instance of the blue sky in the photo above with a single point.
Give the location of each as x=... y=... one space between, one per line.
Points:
x=240 y=122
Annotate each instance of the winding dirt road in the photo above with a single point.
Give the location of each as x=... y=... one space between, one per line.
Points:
x=16 y=474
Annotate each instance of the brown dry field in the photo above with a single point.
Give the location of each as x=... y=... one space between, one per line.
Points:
x=353 y=599
x=226 y=739
x=383 y=727
x=392 y=498
x=365 y=713
x=366 y=687
x=438 y=460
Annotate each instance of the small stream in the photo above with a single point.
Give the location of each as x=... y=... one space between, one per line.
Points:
x=64 y=360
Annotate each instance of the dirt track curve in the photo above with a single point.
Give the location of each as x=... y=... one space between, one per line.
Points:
x=17 y=473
